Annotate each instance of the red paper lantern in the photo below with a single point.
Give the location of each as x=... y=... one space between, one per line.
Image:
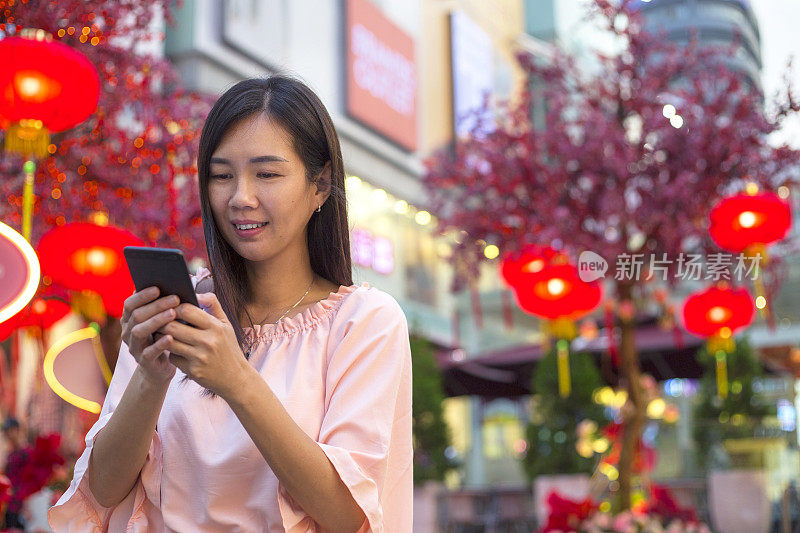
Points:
x=42 y=313
x=558 y=292
x=746 y=220
x=82 y=256
x=515 y=266
x=7 y=327
x=45 y=86
x=709 y=312
x=546 y=285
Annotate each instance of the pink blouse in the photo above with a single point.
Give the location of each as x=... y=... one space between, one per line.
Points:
x=341 y=368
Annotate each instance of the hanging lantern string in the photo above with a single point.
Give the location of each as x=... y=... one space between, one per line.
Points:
x=722 y=373
x=720 y=345
x=564 y=378
x=563 y=329
x=27 y=199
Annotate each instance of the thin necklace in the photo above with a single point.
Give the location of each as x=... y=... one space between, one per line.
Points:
x=313 y=279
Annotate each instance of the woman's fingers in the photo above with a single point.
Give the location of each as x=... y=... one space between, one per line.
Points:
x=141 y=333
x=136 y=300
x=178 y=356
x=152 y=352
x=178 y=348
x=147 y=311
x=138 y=309
x=186 y=334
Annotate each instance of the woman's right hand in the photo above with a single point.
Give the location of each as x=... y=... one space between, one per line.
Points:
x=142 y=315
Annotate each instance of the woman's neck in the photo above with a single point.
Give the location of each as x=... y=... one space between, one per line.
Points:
x=278 y=284
x=274 y=285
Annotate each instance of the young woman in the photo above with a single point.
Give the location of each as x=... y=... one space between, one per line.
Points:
x=285 y=405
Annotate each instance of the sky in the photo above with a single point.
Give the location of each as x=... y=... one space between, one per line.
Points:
x=778 y=21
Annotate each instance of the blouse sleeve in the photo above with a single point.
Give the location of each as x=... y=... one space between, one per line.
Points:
x=78 y=510
x=366 y=429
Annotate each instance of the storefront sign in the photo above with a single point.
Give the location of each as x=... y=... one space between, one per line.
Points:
x=381 y=74
x=372 y=251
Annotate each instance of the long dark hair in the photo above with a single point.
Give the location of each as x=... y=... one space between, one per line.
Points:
x=300 y=112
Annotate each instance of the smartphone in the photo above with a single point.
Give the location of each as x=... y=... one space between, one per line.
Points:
x=164 y=268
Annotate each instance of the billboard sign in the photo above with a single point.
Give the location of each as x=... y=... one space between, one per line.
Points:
x=382 y=76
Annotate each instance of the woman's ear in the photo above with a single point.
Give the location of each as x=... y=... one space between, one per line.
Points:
x=323 y=182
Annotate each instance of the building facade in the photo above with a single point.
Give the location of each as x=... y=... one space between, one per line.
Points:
x=712 y=22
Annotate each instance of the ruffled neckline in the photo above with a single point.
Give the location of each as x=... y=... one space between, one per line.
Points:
x=305 y=319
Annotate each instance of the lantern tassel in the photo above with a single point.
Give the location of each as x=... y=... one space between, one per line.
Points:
x=562 y=328
x=564 y=380
x=90 y=305
x=722 y=373
x=28 y=138
x=27 y=200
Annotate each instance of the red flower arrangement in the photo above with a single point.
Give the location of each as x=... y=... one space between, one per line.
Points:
x=662 y=503
x=660 y=513
x=36 y=470
x=566 y=514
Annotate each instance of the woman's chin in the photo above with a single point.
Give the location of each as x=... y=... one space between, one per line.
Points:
x=252 y=252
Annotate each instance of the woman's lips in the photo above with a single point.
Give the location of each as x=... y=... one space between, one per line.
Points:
x=248 y=233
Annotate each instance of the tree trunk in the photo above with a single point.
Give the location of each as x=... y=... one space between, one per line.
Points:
x=633 y=417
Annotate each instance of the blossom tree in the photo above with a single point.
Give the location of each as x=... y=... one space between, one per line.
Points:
x=627 y=159
x=134 y=159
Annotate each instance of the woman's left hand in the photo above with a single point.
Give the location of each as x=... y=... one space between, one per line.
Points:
x=207 y=351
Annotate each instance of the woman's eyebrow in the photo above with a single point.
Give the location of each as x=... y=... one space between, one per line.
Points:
x=259 y=159
x=268 y=159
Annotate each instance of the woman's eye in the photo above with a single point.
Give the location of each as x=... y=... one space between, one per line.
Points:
x=266 y=174
x=220 y=176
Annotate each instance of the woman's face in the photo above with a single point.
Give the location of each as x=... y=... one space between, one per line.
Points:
x=259 y=193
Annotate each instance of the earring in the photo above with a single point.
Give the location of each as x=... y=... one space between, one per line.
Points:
x=319 y=208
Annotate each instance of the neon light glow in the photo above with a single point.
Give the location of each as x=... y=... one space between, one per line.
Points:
x=49 y=372
x=32 y=282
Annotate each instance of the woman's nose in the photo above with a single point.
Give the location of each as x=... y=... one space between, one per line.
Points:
x=243 y=194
